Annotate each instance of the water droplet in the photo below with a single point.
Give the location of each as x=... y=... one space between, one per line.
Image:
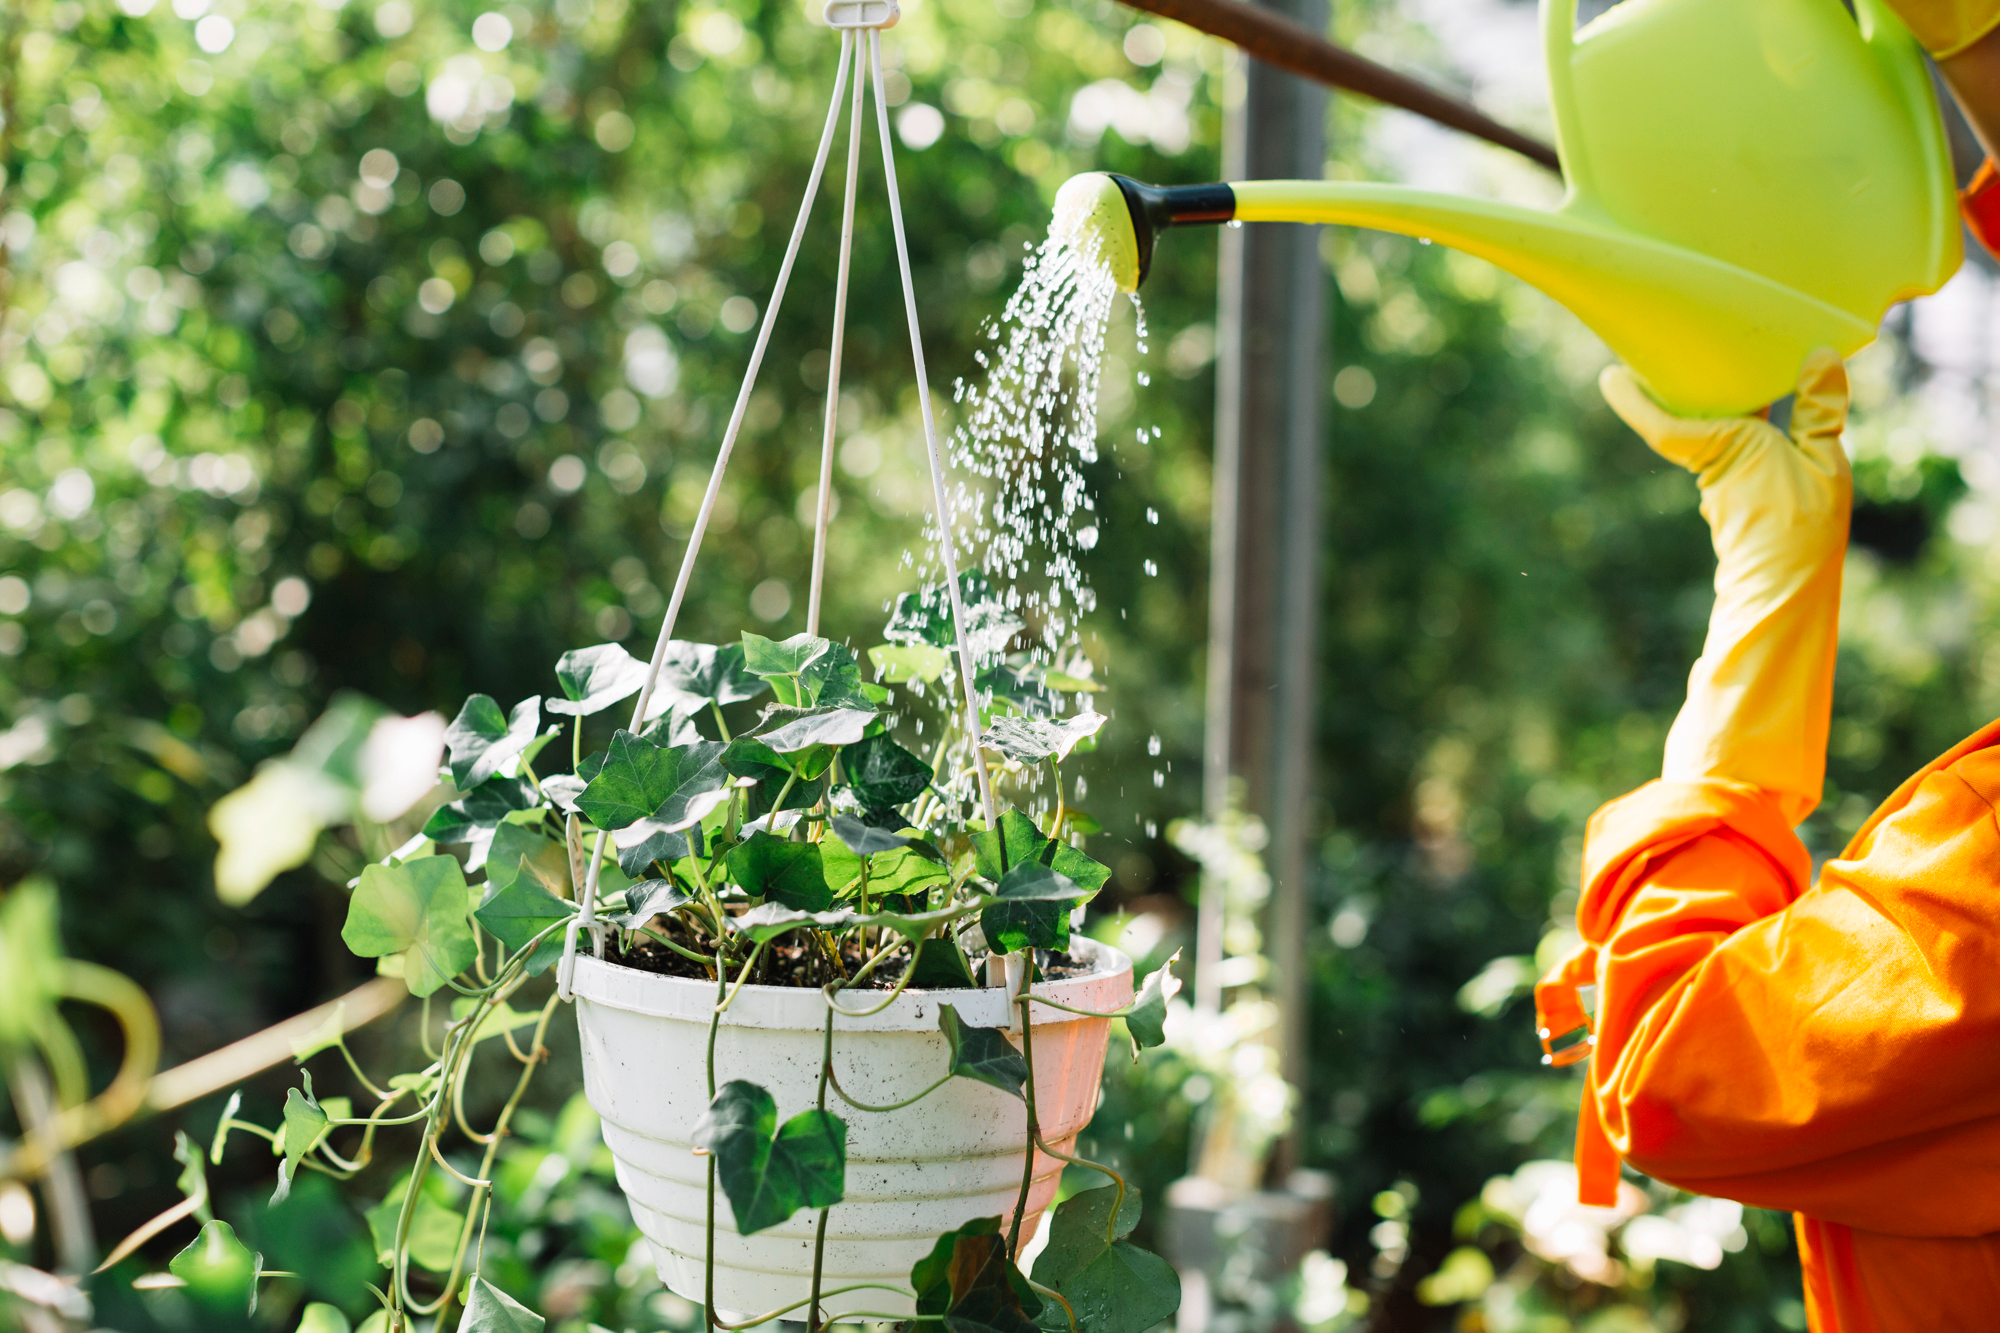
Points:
x=1086 y=538
x=1152 y=514
x=1153 y=744
x=1144 y=379
x=1152 y=829
x=1152 y=570
x=1159 y=778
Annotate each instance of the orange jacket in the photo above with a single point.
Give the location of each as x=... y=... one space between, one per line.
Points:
x=1832 y=1049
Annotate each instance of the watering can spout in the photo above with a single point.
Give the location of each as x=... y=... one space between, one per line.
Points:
x=1707 y=337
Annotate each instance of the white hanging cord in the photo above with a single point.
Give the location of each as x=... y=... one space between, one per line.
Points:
x=586 y=916
x=944 y=518
x=823 y=513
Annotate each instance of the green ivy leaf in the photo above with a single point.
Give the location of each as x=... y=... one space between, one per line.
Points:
x=434 y=1227
x=305 y=1124
x=709 y=675
x=319 y=1317
x=905 y=872
x=1146 y=1024
x=1125 y=1290
x=1030 y=909
x=1031 y=740
x=491 y=1310
x=481 y=739
x=1082 y=1229
x=881 y=772
x=419 y=910
x=1017 y=841
x=593 y=679
x=519 y=850
x=787 y=873
x=669 y=788
x=220 y=1271
x=898 y=663
x=193 y=1179
x=768 y=1176
x=925 y=617
x=517 y=909
x=968 y=1281
x=805 y=671
x=982 y=1054
x=1018 y=686
x=473 y=817
x=786 y=729
x=865 y=839
x=666 y=848
x=746 y=758
x=1111 y=1284
x=940 y=965
x=650 y=898
x=499 y=1018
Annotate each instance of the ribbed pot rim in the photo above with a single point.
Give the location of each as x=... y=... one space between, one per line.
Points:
x=796 y=1008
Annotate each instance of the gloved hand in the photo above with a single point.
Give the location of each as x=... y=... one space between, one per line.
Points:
x=1759 y=697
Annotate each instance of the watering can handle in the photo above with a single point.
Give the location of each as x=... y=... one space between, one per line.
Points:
x=1559 y=48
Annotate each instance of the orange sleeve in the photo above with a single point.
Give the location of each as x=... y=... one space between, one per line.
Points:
x=1828 y=1050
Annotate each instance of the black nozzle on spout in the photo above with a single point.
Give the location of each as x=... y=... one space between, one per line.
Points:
x=1156 y=206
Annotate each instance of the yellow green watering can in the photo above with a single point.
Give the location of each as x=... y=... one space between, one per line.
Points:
x=1748 y=180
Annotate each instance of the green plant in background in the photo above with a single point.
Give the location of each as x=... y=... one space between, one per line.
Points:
x=810 y=826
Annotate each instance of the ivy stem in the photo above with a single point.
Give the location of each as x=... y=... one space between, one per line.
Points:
x=714 y=1022
x=1034 y=1126
x=813 y=1321
x=1111 y=1228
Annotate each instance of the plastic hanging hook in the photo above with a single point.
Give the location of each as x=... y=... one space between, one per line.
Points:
x=875 y=14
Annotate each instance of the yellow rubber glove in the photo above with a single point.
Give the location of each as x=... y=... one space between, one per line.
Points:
x=1759 y=697
x=1946 y=27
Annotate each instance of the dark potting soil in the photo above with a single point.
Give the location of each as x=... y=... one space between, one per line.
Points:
x=791 y=961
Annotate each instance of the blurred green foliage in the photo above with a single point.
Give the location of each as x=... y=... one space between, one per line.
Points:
x=341 y=348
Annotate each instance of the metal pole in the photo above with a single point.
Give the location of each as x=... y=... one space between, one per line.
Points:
x=1270 y=387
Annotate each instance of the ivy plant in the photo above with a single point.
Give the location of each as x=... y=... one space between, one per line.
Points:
x=760 y=801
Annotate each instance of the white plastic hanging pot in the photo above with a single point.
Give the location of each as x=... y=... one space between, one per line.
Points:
x=912 y=1174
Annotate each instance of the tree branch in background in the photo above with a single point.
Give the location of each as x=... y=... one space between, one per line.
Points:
x=1279 y=41
x=259 y=1051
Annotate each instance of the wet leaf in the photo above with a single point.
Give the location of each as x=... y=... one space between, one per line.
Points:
x=520 y=850
x=1147 y=1022
x=481 y=738
x=982 y=1054
x=593 y=679
x=768 y=1176
x=1020 y=687
x=1019 y=841
x=786 y=729
x=670 y=788
x=419 y=910
x=898 y=663
x=1125 y=1290
x=303 y=1127
x=880 y=772
x=925 y=617
x=491 y=1310
x=1034 y=739
x=865 y=839
x=770 y=920
x=907 y=872
x=220 y=1271
x=787 y=873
